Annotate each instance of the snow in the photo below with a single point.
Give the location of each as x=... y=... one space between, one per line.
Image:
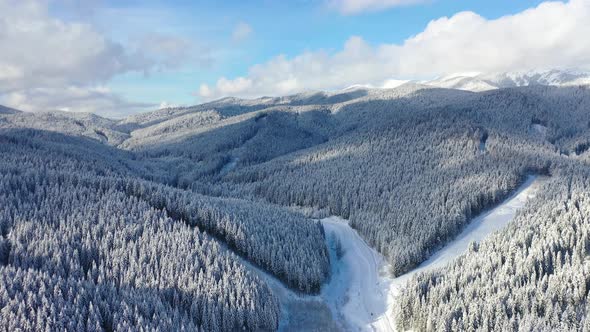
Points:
x=392 y=84
x=482 y=146
x=358 y=86
x=230 y=165
x=356 y=292
x=465 y=81
x=482 y=82
x=538 y=128
x=482 y=143
x=482 y=226
x=360 y=293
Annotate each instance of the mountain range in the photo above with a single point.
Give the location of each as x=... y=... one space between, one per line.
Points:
x=178 y=218
x=483 y=82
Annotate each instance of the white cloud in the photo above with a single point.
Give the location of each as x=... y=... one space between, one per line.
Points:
x=241 y=32
x=351 y=7
x=548 y=36
x=204 y=91
x=99 y=100
x=45 y=62
x=38 y=50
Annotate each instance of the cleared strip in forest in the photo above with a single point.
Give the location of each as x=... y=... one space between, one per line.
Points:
x=360 y=294
x=360 y=291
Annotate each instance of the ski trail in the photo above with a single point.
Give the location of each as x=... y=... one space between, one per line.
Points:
x=362 y=295
x=355 y=292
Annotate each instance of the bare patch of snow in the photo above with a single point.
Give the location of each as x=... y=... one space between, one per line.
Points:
x=482 y=142
x=540 y=129
x=482 y=146
x=230 y=165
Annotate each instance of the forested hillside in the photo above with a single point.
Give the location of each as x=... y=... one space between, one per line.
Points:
x=454 y=152
x=531 y=276
x=87 y=245
x=411 y=179
x=137 y=222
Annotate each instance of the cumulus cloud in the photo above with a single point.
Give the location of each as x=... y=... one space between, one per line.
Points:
x=38 y=50
x=547 y=36
x=241 y=32
x=351 y=7
x=98 y=99
x=44 y=61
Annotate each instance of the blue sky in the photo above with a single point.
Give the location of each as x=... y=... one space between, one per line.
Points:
x=278 y=27
x=184 y=52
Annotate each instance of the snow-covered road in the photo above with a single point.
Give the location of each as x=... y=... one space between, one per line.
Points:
x=360 y=293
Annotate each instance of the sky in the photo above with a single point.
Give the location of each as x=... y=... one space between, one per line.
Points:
x=116 y=58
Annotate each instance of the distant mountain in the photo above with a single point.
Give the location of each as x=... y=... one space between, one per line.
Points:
x=409 y=166
x=7 y=110
x=70 y=123
x=484 y=82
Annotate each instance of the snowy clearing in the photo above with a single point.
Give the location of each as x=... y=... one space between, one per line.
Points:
x=231 y=164
x=540 y=129
x=356 y=292
x=360 y=293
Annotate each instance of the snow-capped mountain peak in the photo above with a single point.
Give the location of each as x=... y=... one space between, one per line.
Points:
x=483 y=82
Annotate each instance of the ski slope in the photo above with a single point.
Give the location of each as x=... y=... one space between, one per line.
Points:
x=360 y=293
x=357 y=292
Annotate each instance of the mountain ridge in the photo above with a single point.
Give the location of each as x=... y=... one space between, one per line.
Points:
x=478 y=82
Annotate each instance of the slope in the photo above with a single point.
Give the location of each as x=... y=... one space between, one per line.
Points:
x=361 y=293
x=531 y=276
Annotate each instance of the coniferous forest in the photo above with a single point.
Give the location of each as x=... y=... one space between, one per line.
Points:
x=151 y=222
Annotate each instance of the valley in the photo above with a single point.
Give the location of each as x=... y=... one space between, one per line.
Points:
x=415 y=174
x=294 y=166
x=361 y=294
